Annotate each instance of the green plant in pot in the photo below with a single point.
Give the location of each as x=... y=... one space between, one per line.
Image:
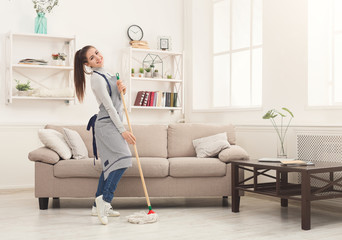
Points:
x=280 y=129
x=141 y=72
x=23 y=88
x=148 y=72
x=132 y=72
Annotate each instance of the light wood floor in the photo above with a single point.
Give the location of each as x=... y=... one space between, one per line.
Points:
x=180 y=218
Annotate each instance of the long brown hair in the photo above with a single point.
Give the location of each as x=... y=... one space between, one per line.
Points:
x=79 y=78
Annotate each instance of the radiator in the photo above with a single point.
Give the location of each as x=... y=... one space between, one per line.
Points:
x=320 y=147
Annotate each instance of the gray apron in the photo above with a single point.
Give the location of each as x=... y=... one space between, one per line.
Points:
x=112 y=148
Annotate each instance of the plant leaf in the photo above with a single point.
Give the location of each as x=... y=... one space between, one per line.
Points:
x=287 y=110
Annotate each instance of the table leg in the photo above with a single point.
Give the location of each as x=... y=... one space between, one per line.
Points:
x=235 y=191
x=283 y=182
x=306 y=203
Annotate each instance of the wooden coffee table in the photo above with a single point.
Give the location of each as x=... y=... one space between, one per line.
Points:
x=281 y=188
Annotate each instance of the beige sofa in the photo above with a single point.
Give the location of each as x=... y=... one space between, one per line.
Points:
x=167 y=157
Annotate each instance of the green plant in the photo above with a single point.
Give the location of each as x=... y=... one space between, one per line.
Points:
x=281 y=130
x=148 y=69
x=132 y=71
x=62 y=56
x=23 y=86
x=156 y=70
x=151 y=66
x=44 y=5
x=169 y=76
x=55 y=56
x=141 y=70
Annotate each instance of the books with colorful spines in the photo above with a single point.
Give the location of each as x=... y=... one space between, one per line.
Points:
x=147 y=95
x=175 y=96
x=139 y=99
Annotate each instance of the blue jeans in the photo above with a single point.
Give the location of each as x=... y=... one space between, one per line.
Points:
x=108 y=186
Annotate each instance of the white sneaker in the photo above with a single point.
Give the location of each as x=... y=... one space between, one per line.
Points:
x=109 y=212
x=101 y=210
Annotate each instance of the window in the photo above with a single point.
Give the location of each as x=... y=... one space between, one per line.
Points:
x=237 y=53
x=324 y=52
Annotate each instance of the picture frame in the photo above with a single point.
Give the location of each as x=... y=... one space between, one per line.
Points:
x=164 y=43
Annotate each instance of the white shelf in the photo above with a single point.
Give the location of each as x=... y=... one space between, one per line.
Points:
x=156 y=108
x=172 y=62
x=155 y=51
x=43 y=36
x=47 y=76
x=42 y=66
x=43 y=98
x=157 y=79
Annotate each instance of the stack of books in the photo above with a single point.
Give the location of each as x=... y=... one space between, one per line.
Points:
x=33 y=61
x=156 y=99
x=139 y=44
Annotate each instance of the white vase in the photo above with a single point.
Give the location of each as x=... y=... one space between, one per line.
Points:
x=148 y=74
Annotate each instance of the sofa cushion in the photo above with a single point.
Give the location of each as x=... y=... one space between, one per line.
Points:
x=151 y=167
x=76 y=144
x=44 y=154
x=233 y=153
x=55 y=141
x=77 y=168
x=86 y=136
x=196 y=167
x=151 y=140
x=181 y=135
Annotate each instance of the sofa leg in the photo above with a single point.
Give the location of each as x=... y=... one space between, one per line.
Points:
x=225 y=197
x=56 y=202
x=225 y=201
x=43 y=203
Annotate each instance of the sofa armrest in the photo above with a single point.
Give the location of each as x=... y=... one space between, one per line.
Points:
x=45 y=155
x=232 y=153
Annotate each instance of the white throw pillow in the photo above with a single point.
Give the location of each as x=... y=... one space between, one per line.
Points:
x=75 y=142
x=210 y=146
x=55 y=141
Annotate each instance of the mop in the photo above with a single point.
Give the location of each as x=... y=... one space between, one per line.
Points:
x=139 y=217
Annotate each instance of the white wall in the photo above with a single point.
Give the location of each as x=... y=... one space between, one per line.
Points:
x=284 y=77
x=102 y=23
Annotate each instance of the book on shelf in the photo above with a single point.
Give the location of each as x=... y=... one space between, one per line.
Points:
x=175 y=96
x=296 y=162
x=171 y=99
x=140 y=98
x=146 y=97
x=33 y=61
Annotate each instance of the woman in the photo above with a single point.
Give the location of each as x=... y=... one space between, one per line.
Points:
x=110 y=134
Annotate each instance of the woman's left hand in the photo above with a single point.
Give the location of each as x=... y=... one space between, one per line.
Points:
x=121 y=86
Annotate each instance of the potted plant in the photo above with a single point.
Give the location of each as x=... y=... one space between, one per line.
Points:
x=55 y=59
x=132 y=72
x=281 y=130
x=148 y=72
x=169 y=76
x=23 y=88
x=62 y=58
x=156 y=73
x=141 y=72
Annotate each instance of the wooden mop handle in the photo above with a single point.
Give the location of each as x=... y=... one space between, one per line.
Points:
x=136 y=153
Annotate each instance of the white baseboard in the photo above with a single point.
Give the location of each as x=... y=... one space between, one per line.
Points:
x=16 y=187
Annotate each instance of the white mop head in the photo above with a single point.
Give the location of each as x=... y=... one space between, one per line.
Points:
x=142 y=218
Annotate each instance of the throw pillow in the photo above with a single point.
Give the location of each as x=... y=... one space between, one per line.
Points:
x=75 y=142
x=55 y=141
x=233 y=153
x=210 y=146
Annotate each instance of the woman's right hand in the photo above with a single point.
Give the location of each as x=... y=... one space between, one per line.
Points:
x=129 y=137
